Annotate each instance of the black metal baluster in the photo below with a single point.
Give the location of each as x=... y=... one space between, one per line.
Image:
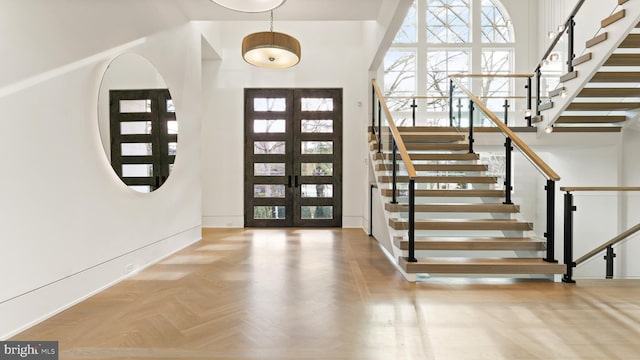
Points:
x=568 y=237
x=470 y=126
x=609 y=257
x=412 y=221
x=507 y=176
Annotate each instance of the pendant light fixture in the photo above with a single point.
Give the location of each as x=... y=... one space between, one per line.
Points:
x=250 y=6
x=272 y=50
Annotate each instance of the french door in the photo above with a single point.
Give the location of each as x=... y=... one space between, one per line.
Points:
x=293 y=157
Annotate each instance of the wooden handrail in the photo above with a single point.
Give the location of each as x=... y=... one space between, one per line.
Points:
x=526 y=150
x=446 y=97
x=462 y=75
x=611 y=242
x=600 y=188
x=411 y=171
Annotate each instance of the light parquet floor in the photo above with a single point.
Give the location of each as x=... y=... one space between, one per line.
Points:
x=332 y=294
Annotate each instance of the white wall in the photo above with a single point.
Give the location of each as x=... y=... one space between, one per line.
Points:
x=69 y=225
x=333 y=56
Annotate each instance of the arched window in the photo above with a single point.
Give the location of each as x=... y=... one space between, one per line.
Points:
x=442 y=37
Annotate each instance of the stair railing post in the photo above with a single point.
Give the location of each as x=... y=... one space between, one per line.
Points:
x=529 y=101
x=570 y=31
x=538 y=84
x=412 y=221
x=394 y=185
x=451 y=87
x=373 y=186
x=506 y=111
x=507 y=176
x=609 y=257
x=459 y=111
x=568 y=238
x=470 y=126
x=413 y=110
x=551 y=221
x=373 y=110
x=379 y=127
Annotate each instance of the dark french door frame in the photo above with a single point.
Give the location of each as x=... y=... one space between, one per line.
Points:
x=294 y=179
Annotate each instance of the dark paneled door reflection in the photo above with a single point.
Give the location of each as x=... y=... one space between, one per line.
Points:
x=144 y=137
x=293 y=157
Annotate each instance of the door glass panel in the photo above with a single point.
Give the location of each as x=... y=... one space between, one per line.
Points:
x=172 y=127
x=317 y=104
x=135 y=106
x=136 y=149
x=269 y=212
x=317 y=147
x=141 y=188
x=316 y=212
x=135 y=127
x=137 y=170
x=269 y=191
x=173 y=148
x=268 y=169
x=317 y=190
x=269 y=126
x=317 y=126
x=268 y=147
x=170 y=107
x=270 y=104
x=317 y=169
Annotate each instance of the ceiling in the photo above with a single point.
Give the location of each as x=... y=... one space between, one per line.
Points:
x=311 y=10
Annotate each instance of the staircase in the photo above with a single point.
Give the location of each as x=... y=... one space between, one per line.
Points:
x=601 y=93
x=462 y=226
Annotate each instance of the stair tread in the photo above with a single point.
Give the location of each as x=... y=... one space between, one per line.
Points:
x=464 y=224
x=436 y=146
x=598 y=106
x=455 y=207
x=472 y=243
x=460 y=265
x=427 y=129
x=631 y=41
x=609 y=92
x=590 y=119
x=597 y=40
x=616 y=76
x=439 y=167
x=582 y=129
x=442 y=179
x=613 y=18
x=453 y=193
x=623 y=60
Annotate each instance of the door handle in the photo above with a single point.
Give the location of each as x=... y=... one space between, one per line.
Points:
x=289 y=181
x=296 y=181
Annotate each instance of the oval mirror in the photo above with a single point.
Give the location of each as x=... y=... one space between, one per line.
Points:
x=137 y=121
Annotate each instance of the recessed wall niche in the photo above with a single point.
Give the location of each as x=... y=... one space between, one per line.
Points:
x=138 y=123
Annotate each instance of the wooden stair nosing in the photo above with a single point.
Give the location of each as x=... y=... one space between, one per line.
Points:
x=442 y=179
x=436 y=146
x=438 y=167
x=623 y=60
x=556 y=92
x=546 y=106
x=616 y=92
x=463 y=208
x=463 y=224
x=481 y=266
x=427 y=137
x=602 y=106
x=616 y=76
x=582 y=59
x=613 y=18
x=427 y=129
x=597 y=40
x=434 y=157
x=632 y=41
x=586 y=129
x=472 y=244
x=451 y=193
x=590 y=119
x=569 y=76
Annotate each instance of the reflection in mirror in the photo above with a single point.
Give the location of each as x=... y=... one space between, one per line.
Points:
x=137 y=122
